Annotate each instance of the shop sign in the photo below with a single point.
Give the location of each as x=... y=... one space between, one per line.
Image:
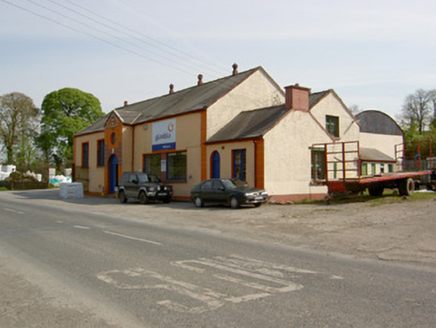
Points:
x=164 y=135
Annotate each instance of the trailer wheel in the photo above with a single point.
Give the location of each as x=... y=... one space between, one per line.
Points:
x=406 y=187
x=376 y=191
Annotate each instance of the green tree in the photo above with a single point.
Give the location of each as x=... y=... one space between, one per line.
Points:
x=26 y=154
x=19 y=120
x=65 y=112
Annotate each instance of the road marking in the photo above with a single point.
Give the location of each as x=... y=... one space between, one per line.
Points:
x=209 y=298
x=81 y=227
x=13 y=211
x=246 y=280
x=132 y=238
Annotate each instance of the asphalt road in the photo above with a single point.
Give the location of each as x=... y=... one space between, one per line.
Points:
x=72 y=268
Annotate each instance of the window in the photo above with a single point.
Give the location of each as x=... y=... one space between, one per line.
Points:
x=176 y=166
x=318 y=164
x=390 y=168
x=85 y=154
x=152 y=164
x=133 y=178
x=373 y=168
x=239 y=164
x=364 y=168
x=332 y=125
x=217 y=185
x=206 y=185
x=100 y=152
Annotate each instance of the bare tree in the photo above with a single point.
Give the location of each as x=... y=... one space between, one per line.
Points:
x=418 y=107
x=19 y=119
x=354 y=109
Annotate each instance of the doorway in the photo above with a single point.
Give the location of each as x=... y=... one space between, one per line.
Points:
x=113 y=173
x=216 y=163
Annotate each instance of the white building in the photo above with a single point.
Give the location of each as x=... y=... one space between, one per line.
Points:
x=243 y=126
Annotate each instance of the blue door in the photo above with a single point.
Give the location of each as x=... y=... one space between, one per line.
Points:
x=216 y=165
x=113 y=173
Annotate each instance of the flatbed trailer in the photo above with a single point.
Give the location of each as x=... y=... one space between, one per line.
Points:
x=403 y=181
x=417 y=156
x=342 y=172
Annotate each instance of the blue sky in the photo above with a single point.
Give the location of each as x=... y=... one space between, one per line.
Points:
x=372 y=53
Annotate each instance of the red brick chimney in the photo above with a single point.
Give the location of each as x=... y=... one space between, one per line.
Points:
x=297 y=98
x=171 y=89
x=200 y=79
x=125 y=103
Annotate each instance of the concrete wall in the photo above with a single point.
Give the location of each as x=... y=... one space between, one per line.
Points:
x=331 y=105
x=96 y=174
x=288 y=157
x=188 y=138
x=127 y=147
x=255 y=92
x=383 y=142
x=226 y=159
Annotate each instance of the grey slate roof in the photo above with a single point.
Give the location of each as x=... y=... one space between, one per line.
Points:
x=374 y=121
x=250 y=124
x=314 y=98
x=255 y=123
x=374 y=155
x=95 y=127
x=183 y=101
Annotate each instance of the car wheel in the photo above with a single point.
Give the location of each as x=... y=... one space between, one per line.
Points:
x=167 y=200
x=143 y=198
x=257 y=204
x=198 y=202
x=234 y=202
x=122 y=197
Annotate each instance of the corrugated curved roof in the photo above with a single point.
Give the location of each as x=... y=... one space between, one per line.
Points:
x=374 y=121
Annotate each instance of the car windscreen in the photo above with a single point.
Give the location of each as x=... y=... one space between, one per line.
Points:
x=148 y=178
x=153 y=178
x=229 y=184
x=143 y=178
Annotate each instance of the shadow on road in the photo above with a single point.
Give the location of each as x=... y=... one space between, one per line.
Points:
x=53 y=195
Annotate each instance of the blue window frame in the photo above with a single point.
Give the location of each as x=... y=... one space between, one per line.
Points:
x=239 y=164
x=100 y=152
x=85 y=154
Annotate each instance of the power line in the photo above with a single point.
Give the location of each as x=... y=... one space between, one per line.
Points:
x=187 y=55
x=93 y=29
x=91 y=35
x=119 y=31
